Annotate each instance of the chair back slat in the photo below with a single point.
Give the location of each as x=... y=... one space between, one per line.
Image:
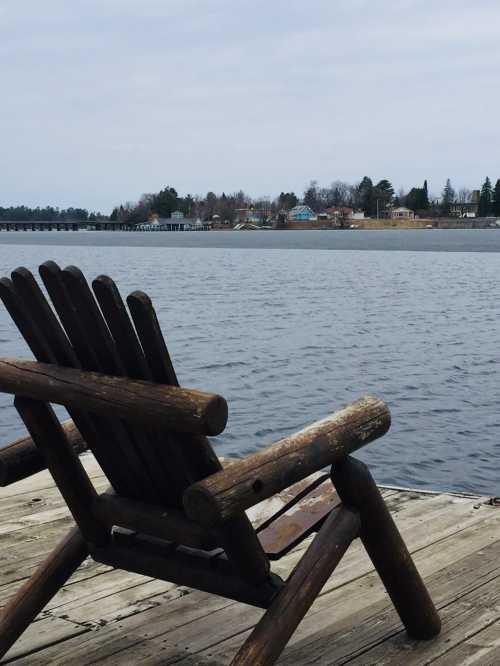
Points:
x=24 y=322
x=120 y=326
x=153 y=342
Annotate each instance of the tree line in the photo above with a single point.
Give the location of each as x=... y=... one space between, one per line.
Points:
x=48 y=214
x=372 y=198
x=368 y=196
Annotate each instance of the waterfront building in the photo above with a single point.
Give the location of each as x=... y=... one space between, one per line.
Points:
x=464 y=209
x=248 y=215
x=401 y=213
x=302 y=213
x=339 y=211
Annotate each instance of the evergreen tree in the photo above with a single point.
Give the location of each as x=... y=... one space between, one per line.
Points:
x=414 y=198
x=287 y=200
x=496 y=198
x=424 y=203
x=365 y=192
x=383 y=194
x=165 y=202
x=485 y=199
x=447 y=198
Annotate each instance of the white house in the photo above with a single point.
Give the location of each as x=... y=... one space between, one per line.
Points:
x=401 y=213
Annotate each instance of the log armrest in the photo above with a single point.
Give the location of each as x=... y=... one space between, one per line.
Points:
x=146 y=403
x=249 y=481
x=21 y=458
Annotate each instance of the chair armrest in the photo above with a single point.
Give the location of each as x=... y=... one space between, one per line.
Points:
x=21 y=458
x=263 y=474
x=146 y=403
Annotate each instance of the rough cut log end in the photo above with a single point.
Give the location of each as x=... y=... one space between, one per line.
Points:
x=216 y=415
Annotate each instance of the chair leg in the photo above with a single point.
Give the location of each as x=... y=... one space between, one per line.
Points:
x=272 y=633
x=386 y=548
x=50 y=576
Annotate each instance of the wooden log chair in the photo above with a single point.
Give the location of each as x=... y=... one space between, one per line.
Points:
x=173 y=512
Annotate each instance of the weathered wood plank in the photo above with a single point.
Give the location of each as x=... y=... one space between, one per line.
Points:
x=479 y=649
x=48 y=631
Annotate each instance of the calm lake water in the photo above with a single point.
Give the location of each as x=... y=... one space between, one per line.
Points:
x=289 y=326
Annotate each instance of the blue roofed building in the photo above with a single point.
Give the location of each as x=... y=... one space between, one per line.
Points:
x=302 y=213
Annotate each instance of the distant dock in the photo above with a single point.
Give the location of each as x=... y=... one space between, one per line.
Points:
x=102 y=225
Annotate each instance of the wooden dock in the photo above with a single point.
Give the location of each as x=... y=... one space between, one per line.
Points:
x=110 y=617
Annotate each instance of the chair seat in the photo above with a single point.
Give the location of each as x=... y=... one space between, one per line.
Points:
x=297 y=512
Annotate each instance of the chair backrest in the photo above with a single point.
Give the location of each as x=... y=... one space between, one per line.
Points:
x=93 y=331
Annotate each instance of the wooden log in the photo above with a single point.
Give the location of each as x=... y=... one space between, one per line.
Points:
x=48 y=579
x=272 y=633
x=64 y=466
x=21 y=458
x=115 y=313
x=199 y=570
x=157 y=521
x=263 y=474
x=153 y=342
x=386 y=548
x=22 y=319
x=186 y=410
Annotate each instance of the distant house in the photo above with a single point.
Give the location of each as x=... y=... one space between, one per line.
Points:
x=177 y=215
x=464 y=209
x=339 y=211
x=244 y=215
x=401 y=213
x=302 y=213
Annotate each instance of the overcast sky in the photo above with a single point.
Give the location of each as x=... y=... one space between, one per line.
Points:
x=103 y=100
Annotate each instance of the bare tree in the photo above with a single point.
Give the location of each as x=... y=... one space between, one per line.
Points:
x=464 y=195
